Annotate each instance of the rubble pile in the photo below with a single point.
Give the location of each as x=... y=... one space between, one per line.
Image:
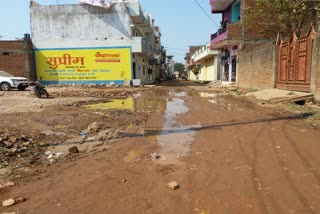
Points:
x=92 y=93
x=19 y=148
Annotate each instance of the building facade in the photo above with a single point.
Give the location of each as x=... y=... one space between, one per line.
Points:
x=16 y=58
x=192 y=67
x=230 y=36
x=84 y=26
x=209 y=62
x=169 y=66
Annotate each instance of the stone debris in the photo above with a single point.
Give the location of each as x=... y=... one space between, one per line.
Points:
x=11 y=201
x=94 y=127
x=53 y=156
x=5 y=171
x=8 y=202
x=20 y=199
x=155 y=156
x=8 y=184
x=14 y=147
x=173 y=185
x=73 y=149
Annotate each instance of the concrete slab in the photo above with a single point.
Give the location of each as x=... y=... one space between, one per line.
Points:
x=277 y=95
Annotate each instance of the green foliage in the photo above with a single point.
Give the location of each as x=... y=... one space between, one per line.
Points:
x=280 y=16
x=179 y=67
x=196 y=69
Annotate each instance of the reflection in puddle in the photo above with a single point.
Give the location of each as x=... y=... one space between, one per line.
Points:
x=180 y=94
x=213 y=98
x=206 y=94
x=175 y=138
x=113 y=104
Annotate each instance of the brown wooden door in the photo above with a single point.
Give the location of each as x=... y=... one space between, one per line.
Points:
x=295 y=58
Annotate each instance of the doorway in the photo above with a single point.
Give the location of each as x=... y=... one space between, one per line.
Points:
x=134 y=70
x=234 y=69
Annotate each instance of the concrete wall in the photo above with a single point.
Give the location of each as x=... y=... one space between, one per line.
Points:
x=192 y=76
x=82 y=25
x=83 y=22
x=257 y=65
x=142 y=70
x=13 y=58
x=209 y=69
x=73 y=26
x=60 y=26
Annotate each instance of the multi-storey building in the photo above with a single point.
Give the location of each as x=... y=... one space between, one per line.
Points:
x=170 y=66
x=104 y=33
x=192 y=67
x=230 y=35
x=209 y=63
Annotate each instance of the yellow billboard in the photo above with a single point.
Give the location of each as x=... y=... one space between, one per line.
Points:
x=83 y=65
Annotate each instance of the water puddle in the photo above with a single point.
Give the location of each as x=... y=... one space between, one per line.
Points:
x=140 y=102
x=175 y=138
x=113 y=104
x=206 y=94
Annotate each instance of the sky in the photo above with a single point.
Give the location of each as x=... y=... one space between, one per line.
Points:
x=182 y=22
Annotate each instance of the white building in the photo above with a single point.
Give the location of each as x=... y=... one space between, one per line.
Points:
x=208 y=61
x=170 y=66
x=87 y=26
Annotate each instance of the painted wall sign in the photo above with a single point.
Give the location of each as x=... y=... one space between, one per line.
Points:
x=83 y=65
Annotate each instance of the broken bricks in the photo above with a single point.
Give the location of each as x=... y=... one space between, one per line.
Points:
x=73 y=149
x=173 y=185
x=11 y=201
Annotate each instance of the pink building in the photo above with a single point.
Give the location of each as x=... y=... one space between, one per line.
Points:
x=228 y=36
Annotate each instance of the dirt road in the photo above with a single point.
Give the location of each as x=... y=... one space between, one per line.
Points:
x=227 y=154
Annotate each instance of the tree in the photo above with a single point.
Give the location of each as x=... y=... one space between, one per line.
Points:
x=179 y=67
x=280 y=16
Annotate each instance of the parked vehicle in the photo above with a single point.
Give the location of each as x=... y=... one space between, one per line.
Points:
x=184 y=77
x=39 y=89
x=8 y=82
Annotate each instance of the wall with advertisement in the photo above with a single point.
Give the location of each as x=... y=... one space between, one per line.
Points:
x=83 y=65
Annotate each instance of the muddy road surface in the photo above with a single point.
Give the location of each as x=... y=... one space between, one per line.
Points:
x=97 y=150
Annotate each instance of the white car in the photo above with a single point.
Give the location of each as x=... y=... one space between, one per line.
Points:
x=8 y=81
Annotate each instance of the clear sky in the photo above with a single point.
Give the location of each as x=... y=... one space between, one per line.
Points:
x=182 y=22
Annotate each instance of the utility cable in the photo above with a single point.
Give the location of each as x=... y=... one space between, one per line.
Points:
x=177 y=49
x=205 y=13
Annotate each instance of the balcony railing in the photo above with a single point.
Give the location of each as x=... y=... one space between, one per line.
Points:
x=233 y=31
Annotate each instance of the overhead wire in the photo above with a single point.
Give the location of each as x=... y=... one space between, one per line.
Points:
x=205 y=13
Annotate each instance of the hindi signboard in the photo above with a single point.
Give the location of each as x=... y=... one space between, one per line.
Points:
x=83 y=65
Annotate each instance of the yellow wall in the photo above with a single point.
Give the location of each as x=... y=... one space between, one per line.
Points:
x=87 y=65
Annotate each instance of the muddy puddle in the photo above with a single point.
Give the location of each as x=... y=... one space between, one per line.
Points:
x=174 y=138
x=113 y=104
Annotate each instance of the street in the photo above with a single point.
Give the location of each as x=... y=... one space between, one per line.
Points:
x=228 y=154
